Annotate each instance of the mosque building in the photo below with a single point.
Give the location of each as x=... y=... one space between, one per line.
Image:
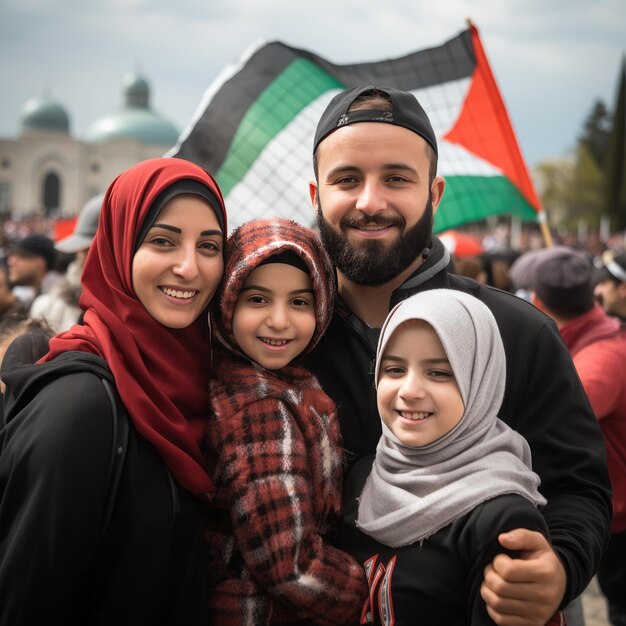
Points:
x=45 y=170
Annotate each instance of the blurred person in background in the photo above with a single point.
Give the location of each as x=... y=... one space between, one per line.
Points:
x=610 y=286
x=9 y=302
x=31 y=267
x=472 y=267
x=496 y=266
x=563 y=290
x=59 y=307
x=33 y=338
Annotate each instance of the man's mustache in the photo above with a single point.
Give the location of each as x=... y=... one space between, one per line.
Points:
x=369 y=220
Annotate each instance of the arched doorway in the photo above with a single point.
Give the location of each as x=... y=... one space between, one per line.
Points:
x=51 y=192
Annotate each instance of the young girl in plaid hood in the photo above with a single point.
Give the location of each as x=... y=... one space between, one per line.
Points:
x=274 y=440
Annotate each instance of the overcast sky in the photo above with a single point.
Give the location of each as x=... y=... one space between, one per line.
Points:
x=551 y=58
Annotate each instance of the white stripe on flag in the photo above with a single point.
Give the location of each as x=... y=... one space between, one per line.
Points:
x=277 y=183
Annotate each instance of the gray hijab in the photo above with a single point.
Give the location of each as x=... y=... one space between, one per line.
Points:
x=412 y=492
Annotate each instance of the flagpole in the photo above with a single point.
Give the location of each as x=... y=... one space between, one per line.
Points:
x=542 y=218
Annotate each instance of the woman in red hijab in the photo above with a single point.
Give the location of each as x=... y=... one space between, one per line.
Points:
x=103 y=487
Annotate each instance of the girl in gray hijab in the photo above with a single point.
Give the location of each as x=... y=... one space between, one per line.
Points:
x=448 y=477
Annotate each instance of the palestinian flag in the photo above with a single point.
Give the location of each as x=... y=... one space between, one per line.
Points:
x=254 y=129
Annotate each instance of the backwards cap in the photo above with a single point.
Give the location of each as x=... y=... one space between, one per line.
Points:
x=406 y=111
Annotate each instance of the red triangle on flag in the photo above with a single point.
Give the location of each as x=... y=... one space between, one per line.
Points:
x=483 y=127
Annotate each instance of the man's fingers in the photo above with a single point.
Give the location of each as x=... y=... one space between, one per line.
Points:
x=514 y=570
x=508 y=611
x=524 y=540
x=500 y=590
x=521 y=571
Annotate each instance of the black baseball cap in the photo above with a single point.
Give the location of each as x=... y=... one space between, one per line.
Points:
x=406 y=111
x=36 y=245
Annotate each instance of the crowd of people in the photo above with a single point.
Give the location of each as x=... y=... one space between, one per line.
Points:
x=282 y=426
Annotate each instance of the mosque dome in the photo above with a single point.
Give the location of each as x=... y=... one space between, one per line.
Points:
x=46 y=114
x=135 y=120
x=140 y=124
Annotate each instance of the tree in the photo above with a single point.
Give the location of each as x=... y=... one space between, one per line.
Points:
x=553 y=179
x=585 y=194
x=615 y=166
x=572 y=189
x=596 y=133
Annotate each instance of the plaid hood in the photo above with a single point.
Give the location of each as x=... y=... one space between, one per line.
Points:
x=247 y=247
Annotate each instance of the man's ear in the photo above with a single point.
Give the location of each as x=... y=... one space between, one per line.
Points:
x=313 y=193
x=436 y=191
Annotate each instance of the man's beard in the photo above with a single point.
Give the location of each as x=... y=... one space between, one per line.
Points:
x=372 y=263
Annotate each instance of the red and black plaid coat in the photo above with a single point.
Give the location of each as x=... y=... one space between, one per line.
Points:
x=275 y=456
x=277 y=468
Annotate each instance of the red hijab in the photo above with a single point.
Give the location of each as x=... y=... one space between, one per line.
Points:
x=161 y=374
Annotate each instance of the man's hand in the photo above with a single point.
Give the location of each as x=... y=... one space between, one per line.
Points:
x=528 y=590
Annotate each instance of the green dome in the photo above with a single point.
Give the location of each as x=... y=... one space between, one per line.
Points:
x=45 y=114
x=135 y=120
x=139 y=124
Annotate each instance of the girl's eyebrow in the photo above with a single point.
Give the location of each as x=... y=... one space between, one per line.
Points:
x=268 y=290
x=391 y=357
x=175 y=229
x=256 y=288
x=433 y=361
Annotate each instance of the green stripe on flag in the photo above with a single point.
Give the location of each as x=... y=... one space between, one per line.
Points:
x=474 y=198
x=299 y=84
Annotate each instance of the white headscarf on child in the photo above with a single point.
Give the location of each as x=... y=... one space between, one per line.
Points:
x=412 y=492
